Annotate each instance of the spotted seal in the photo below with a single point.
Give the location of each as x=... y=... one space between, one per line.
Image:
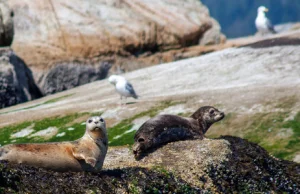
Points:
x=84 y=154
x=168 y=128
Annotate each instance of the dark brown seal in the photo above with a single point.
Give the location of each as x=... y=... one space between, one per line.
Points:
x=168 y=128
x=84 y=154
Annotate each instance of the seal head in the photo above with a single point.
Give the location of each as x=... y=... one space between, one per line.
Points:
x=163 y=129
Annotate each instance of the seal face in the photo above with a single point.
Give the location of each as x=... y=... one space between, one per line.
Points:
x=84 y=154
x=163 y=129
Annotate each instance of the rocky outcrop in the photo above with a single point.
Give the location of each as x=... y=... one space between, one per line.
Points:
x=225 y=165
x=60 y=30
x=56 y=32
x=16 y=81
x=6 y=25
x=69 y=75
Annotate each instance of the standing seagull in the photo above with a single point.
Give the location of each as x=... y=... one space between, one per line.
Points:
x=123 y=87
x=262 y=23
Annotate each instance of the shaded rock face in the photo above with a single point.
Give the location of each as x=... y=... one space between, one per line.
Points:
x=55 y=31
x=69 y=75
x=224 y=165
x=6 y=25
x=16 y=81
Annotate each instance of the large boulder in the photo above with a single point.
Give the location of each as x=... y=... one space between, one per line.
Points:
x=6 y=25
x=65 y=29
x=16 y=81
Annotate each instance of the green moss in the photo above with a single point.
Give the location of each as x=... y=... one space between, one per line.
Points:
x=270 y=130
x=63 y=123
x=58 y=122
x=126 y=124
x=266 y=130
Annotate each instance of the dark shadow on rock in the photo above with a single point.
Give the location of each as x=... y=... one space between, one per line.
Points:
x=17 y=84
x=131 y=102
x=250 y=169
x=66 y=75
x=284 y=41
x=6 y=24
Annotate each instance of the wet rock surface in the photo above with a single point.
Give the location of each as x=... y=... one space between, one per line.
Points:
x=244 y=167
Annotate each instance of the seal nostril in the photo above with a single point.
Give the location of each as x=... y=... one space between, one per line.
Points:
x=96 y=122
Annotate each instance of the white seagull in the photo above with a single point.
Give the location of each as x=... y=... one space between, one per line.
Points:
x=262 y=23
x=123 y=87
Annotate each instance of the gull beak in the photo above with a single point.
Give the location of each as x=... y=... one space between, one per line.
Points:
x=266 y=10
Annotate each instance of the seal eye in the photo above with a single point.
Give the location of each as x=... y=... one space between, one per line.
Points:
x=90 y=121
x=141 y=140
x=211 y=111
x=101 y=120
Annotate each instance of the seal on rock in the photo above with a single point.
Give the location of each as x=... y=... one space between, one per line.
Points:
x=168 y=128
x=84 y=154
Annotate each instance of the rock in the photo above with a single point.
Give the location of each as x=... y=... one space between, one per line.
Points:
x=224 y=165
x=53 y=33
x=6 y=25
x=59 y=30
x=16 y=81
x=213 y=35
x=69 y=75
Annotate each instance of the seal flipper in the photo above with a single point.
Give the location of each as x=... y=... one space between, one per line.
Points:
x=83 y=153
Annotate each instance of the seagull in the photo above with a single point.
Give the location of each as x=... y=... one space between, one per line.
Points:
x=262 y=23
x=123 y=87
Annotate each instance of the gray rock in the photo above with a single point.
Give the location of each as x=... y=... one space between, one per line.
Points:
x=65 y=76
x=6 y=25
x=16 y=81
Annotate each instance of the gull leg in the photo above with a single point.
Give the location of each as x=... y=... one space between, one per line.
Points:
x=121 y=100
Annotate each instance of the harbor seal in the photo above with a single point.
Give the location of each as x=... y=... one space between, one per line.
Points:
x=168 y=128
x=84 y=154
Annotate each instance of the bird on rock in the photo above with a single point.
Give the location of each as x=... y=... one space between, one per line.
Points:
x=123 y=87
x=262 y=23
